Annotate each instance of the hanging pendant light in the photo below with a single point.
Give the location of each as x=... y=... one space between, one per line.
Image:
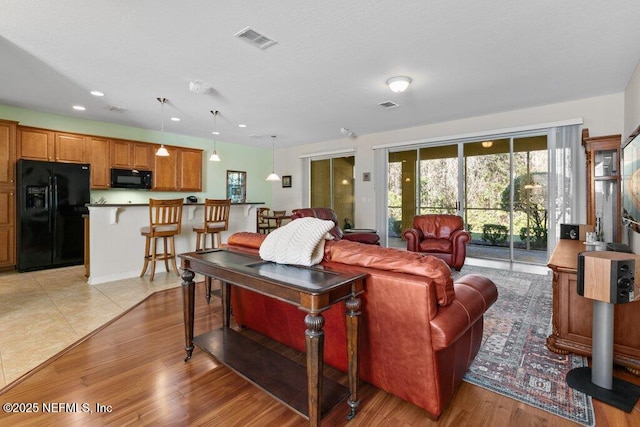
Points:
x=162 y=151
x=214 y=156
x=273 y=176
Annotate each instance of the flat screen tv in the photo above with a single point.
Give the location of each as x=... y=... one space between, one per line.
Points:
x=631 y=181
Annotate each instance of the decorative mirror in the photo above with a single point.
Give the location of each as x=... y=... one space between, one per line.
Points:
x=236 y=186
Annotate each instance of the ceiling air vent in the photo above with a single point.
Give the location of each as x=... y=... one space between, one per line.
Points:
x=255 y=38
x=116 y=108
x=388 y=104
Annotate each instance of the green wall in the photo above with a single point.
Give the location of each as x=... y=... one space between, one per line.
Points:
x=253 y=160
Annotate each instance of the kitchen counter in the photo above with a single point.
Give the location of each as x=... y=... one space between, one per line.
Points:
x=116 y=247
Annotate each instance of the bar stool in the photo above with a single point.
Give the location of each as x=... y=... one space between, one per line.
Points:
x=216 y=220
x=165 y=221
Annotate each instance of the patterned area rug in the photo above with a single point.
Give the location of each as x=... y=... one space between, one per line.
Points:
x=513 y=359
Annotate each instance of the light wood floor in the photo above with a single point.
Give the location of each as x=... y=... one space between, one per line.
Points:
x=134 y=368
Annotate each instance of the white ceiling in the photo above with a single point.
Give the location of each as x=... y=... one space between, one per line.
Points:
x=328 y=69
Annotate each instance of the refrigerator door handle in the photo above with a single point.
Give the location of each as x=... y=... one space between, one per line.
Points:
x=50 y=201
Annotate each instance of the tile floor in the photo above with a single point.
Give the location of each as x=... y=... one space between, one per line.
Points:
x=45 y=311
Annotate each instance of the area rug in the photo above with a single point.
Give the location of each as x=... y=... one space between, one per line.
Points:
x=513 y=359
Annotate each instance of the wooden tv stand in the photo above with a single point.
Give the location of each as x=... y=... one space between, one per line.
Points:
x=571 y=320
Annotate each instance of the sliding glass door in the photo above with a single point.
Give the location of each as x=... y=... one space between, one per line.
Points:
x=332 y=186
x=498 y=186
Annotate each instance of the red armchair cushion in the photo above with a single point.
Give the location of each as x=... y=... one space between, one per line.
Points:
x=436 y=245
x=438 y=226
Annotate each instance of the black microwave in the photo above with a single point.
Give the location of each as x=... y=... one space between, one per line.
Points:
x=133 y=179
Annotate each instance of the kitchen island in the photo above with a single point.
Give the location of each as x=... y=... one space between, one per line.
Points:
x=116 y=247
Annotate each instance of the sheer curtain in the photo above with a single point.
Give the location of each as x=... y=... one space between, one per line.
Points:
x=381 y=190
x=567 y=186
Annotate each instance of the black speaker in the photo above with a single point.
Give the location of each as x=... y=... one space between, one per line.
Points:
x=575 y=231
x=607 y=276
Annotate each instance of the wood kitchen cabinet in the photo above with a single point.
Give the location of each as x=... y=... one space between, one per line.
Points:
x=190 y=170
x=50 y=146
x=180 y=171
x=603 y=184
x=8 y=132
x=35 y=144
x=165 y=174
x=132 y=155
x=98 y=155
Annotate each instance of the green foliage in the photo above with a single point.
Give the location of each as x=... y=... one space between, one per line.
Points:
x=495 y=234
x=537 y=236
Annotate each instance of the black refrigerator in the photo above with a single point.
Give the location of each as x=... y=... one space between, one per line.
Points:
x=51 y=203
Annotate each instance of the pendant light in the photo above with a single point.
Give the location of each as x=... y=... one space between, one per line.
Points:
x=214 y=156
x=162 y=151
x=273 y=176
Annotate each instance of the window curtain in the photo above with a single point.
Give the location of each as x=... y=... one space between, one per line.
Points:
x=381 y=190
x=567 y=186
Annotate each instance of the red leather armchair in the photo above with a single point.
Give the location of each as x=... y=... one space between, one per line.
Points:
x=336 y=232
x=439 y=235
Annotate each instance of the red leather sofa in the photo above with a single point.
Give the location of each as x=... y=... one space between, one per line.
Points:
x=419 y=330
x=336 y=232
x=440 y=235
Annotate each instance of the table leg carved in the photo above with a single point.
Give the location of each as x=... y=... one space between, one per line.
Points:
x=314 y=340
x=353 y=313
x=188 y=296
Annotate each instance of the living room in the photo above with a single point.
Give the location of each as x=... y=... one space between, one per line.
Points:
x=607 y=110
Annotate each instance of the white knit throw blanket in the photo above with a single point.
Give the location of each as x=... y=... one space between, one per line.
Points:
x=300 y=242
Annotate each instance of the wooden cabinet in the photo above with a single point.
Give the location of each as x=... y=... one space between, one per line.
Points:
x=132 y=155
x=190 y=170
x=165 y=174
x=180 y=171
x=70 y=148
x=572 y=315
x=98 y=154
x=35 y=144
x=8 y=131
x=603 y=184
x=49 y=146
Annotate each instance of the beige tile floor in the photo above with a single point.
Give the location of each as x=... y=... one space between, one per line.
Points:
x=45 y=311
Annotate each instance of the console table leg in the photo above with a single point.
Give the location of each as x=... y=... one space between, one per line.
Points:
x=353 y=313
x=188 y=298
x=225 y=296
x=314 y=340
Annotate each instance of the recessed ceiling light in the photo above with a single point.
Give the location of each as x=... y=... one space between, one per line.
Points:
x=242 y=126
x=175 y=119
x=96 y=93
x=79 y=107
x=215 y=132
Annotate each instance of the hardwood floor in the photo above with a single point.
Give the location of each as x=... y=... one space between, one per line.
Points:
x=134 y=368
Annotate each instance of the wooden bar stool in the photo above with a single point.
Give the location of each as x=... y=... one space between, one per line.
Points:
x=165 y=221
x=216 y=220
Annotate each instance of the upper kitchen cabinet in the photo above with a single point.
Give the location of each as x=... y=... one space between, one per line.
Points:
x=35 y=144
x=165 y=175
x=98 y=155
x=180 y=171
x=190 y=170
x=131 y=155
x=50 y=146
x=7 y=152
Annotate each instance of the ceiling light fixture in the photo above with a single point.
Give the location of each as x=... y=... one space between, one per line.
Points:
x=175 y=119
x=214 y=156
x=96 y=93
x=347 y=132
x=399 y=83
x=487 y=144
x=273 y=176
x=79 y=108
x=162 y=151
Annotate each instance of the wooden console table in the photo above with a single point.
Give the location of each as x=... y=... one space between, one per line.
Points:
x=311 y=289
x=572 y=313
